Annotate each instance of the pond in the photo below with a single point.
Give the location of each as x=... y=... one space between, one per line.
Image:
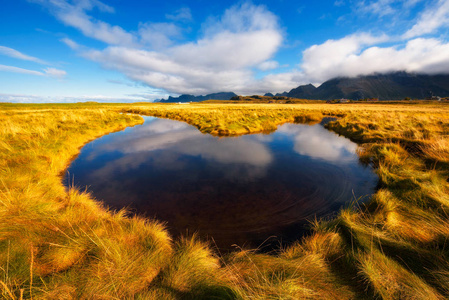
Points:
x=258 y=190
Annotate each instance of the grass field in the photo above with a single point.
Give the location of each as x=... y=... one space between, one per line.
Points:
x=59 y=244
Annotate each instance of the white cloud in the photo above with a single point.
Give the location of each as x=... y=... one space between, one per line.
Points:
x=378 y=7
x=244 y=37
x=421 y=55
x=382 y=8
x=276 y=83
x=183 y=14
x=96 y=29
x=20 y=70
x=162 y=70
x=363 y=53
x=228 y=50
x=75 y=15
x=178 y=138
x=242 y=18
x=159 y=35
x=16 y=54
x=90 y=4
x=319 y=143
x=432 y=19
x=55 y=73
x=18 y=98
x=51 y=72
x=268 y=65
x=330 y=59
x=72 y=44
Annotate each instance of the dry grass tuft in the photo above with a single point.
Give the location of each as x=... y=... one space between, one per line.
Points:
x=390 y=280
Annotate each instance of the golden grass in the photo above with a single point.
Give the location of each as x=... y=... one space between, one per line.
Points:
x=57 y=243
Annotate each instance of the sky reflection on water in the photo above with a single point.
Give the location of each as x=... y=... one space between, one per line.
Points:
x=237 y=190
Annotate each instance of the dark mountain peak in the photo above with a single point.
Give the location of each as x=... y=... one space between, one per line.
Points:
x=302 y=91
x=220 y=96
x=284 y=94
x=192 y=98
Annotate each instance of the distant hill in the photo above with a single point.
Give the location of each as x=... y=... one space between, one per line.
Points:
x=192 y=98
x=392 y=86
x=306 y=91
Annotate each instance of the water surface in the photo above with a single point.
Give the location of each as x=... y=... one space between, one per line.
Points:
x=233 y=190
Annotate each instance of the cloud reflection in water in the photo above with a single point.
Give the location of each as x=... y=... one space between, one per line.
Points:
x=245 y=158
x=317 y=142
x=236 y=190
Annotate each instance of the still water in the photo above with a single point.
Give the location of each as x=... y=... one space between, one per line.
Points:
x=253 y=190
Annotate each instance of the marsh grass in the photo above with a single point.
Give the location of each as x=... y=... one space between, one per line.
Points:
x=61 y=243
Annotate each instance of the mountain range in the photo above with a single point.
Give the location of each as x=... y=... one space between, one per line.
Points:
x=391 y=86
x=192 y=98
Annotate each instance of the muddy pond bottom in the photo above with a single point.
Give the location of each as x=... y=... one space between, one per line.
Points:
x=253 y=191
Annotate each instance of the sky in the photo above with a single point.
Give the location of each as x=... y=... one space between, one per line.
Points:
x=129 y=50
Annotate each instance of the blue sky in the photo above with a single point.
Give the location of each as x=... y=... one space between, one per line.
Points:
x=126 y=50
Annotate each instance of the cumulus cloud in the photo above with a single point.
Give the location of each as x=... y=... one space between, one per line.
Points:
x=223 y=58
x=244 y=37
x=19 y=55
